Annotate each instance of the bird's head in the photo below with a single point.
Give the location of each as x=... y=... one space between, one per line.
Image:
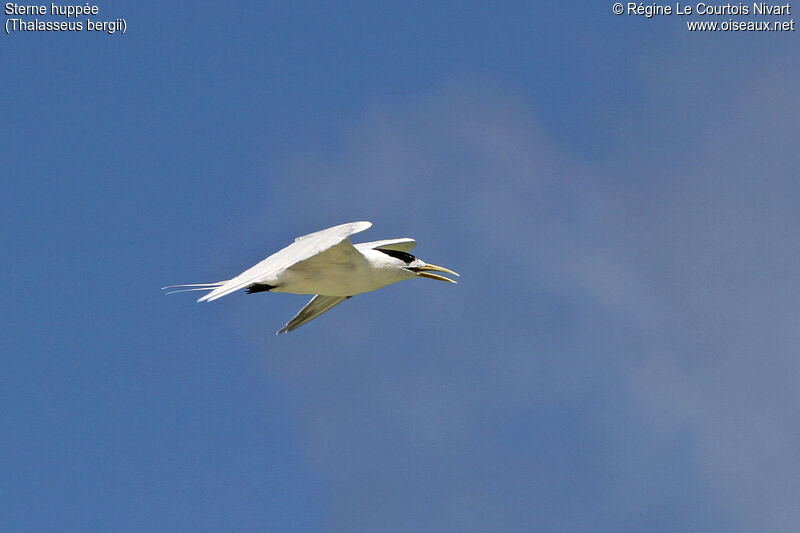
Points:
x=418 y=267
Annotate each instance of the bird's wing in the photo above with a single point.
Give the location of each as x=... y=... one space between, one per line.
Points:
x=404 y=244
x=315 y=307
x=301 y=249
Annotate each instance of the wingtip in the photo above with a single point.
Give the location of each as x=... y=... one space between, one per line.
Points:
x=359 y=226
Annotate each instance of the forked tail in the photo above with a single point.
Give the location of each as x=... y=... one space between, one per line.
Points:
x=188 y=287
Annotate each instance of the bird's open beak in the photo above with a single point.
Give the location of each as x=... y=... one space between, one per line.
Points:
x=425 y=272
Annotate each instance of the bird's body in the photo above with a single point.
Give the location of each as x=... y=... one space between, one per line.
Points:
x=333 y=275
x=328 y=265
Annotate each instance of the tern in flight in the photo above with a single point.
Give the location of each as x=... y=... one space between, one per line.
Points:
x=326 y=264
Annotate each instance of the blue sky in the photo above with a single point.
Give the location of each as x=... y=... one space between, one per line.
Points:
x=619 y=195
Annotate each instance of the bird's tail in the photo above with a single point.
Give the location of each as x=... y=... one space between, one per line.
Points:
x=188 y=287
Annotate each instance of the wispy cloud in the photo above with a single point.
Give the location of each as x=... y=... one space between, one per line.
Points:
x=623 y=339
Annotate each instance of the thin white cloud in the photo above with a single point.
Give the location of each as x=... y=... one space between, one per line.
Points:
x=633 y=347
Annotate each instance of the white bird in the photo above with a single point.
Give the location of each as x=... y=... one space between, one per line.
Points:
x=326 y=264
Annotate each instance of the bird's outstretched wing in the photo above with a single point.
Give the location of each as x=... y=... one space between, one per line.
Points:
x=301 y=249
x=315 y=307
x=405 y=244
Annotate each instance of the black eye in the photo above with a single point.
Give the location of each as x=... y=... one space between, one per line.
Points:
x=405 y=257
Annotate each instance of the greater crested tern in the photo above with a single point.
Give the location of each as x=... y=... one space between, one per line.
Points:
x=326 y=264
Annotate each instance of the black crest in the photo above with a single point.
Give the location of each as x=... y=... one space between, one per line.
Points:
x=405 y=257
